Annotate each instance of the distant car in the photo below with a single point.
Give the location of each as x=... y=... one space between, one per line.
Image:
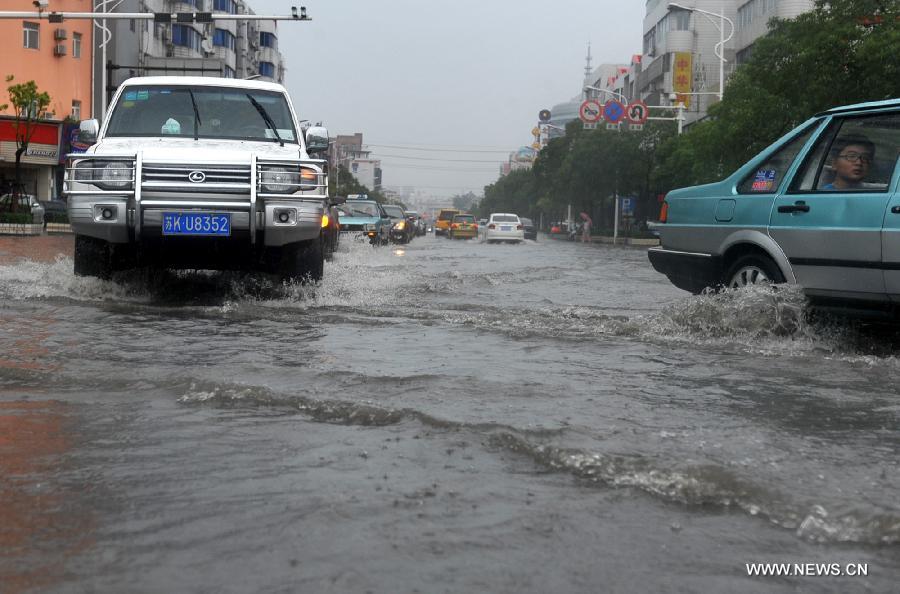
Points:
x=331 y=234
x=365 y=219
x=502 y=227
x=55 y=211
x=414 y=219
x=529 y=229
x=445 y=217
x=463 y=226
x=27 y=203
x=401 y=230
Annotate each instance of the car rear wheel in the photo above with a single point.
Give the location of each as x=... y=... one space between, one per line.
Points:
x=752 y=269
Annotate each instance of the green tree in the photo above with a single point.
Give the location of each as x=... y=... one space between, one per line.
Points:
x=344 y=183
x=29 y=105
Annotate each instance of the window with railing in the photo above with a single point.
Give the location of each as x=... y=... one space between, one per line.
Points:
x=185 y=36
x=267 y=39
x=223 y=38
x=228 y=72
x=30 y=35
x=267 y=69
x=229 y=6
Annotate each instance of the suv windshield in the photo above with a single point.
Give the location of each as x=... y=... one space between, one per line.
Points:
x=220 y=113
x=464 y=219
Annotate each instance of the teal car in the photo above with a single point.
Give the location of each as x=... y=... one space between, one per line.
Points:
x=365 y=219
x=820 y=208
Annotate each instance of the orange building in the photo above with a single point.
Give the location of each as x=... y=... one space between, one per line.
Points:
x=56 y=56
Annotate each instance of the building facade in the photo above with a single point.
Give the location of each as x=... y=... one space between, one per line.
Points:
x=57 y=57
x=231 y=49
x=348 y=150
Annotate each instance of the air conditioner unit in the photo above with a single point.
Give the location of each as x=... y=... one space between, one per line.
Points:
x=60 y=34
x=59 y=49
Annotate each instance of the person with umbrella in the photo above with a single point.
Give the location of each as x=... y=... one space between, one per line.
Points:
x=586 y=228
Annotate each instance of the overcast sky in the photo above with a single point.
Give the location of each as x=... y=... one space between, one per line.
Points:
x=466 y=74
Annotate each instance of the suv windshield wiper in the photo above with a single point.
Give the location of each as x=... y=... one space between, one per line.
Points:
x=265 y=116
x=197 y=121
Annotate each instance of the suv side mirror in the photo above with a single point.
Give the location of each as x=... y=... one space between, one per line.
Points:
x=88 y=131
x=316 y=139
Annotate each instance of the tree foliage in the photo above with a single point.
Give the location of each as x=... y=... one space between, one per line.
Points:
x=29 y=105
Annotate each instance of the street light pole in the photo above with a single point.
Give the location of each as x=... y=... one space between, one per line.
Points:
x=614 y=93
x=720 y=47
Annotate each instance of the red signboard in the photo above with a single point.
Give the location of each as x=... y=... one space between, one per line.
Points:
x=44 y=133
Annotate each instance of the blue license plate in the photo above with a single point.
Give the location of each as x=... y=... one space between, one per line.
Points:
x=196 y=223
x=505 y=228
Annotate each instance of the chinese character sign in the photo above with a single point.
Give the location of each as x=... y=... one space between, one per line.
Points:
x=683 y=76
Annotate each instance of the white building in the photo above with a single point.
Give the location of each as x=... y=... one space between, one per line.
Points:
x=233 y=49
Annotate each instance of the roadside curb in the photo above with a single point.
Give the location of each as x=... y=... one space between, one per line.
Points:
x=604 y=239
x=21 y=229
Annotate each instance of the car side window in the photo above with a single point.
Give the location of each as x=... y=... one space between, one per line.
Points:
x=768 y=176
x=858 y=154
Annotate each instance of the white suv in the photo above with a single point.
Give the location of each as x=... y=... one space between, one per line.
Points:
x=206 y=173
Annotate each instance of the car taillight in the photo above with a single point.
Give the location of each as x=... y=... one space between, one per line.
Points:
x=492 y=226
x=518 y=227
x=454 y=226
x=664 y=212
x=476 y=227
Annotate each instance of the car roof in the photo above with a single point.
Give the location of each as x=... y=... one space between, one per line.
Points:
x=505 y=214
x=204 y=81
x=871 y=105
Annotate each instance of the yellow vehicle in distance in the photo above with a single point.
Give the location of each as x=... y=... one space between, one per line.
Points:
x=444 y=219
x=463 y=226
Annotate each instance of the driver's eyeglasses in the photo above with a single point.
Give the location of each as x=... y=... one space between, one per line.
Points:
x=857 y=158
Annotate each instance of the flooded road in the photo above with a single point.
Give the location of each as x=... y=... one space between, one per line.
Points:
x=445 y=417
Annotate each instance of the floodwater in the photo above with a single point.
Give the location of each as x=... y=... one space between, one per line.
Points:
x=442 y=417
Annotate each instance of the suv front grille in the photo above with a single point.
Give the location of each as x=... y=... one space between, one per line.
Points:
x=196 y=178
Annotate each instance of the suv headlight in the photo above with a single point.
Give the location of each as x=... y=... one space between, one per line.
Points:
x=279 y=180
x=106 y=175
x=287 y=180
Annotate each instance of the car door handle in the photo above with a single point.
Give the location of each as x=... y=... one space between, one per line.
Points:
x=895 y=210
x=798 y=206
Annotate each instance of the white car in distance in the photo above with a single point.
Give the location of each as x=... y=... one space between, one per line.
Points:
x=503 y=226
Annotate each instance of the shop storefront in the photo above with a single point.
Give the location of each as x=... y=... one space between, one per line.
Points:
x=40 y=163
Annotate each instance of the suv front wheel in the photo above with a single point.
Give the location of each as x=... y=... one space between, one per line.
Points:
x=303 y=261
x=92 y=257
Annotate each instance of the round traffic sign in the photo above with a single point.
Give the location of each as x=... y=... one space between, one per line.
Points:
x=613 y=111
x=637 y=112
x=544 y=115
x=590 y=111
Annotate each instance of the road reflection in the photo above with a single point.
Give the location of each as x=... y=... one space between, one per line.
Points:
x=42 y=523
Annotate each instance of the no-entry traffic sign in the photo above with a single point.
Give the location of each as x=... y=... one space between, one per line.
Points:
x=590 y=111
x=613 y=111
x=637 y=112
